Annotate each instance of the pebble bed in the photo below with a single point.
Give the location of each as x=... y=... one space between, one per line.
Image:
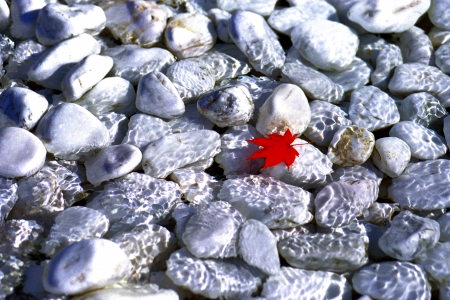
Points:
x=124 y=129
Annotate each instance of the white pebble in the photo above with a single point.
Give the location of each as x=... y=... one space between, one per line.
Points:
x=391 y=155
x=24 y=14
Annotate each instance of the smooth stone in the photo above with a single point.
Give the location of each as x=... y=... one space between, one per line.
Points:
x=144 y=129
x=387 y=60
x=443 y=57
x=191 y=120
x=57 y=22
x=293 y=283
x=309 y=170
x=251 y=33
x=112 y=94
x=24 y=57
x=391 y=155
x=351 y=146
x=261 y=7
x=198 y=187
x=220 y=19
x=148 y=291
x=21 y=107
x=21 y=152
x=24 y=15
x=439 y=13
x=414 y=77
x=383 y=16
x=268 y=200
x=423 y=185
x=423 y=142
x=357 y=74
x=181 y=214
x=326 y=119
x=286 y=108
x=156 y=95
x=50 y=69
x=147 y=246
x=213 y=232
x=189 y=35
x=285 y=19
x=5 y=15
x=70 y=132
x=342 y=8
x=131 y=62
x=334 y=252
x=326 y=44
x=423 y=109
x=444 y=226
x=378 y=282
x=227 y=106
x=372 y=109
x=213 y=278
x=416 y=46
x=191 y=78
x=314 y=84
x=84 y=75
x=258 y=247
x=112 y=162
x=136 y=199
x=174 y=151
x=117 y=125
x=437 y=263
x=72 y=225
x=348 y=197
x=135 y=21
x=439 y=36
x=409 y=236
x=235 y=150
x=86 y=265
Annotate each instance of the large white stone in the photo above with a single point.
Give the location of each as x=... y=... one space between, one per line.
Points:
x=391 y=155
x=24 y=14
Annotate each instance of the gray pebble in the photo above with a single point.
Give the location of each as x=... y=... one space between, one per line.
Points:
x=24 y=14
x=261 y=7
x=191 y=120
x=370 y=46
x=436 y=262
x=423 y=109
x=148 y=291
x=391 y=155
x=444 y=225
x=366 y=171
x=157 y=96
x=392 y=280
x=117 y=125
x=70 y=132
x=21 y=107
x=8 y=197
x=416 y=46
x=439 y=13
x=409 y=236
x=21 y=152
x=198 y=187
x=423 y=142
x=372 y=109
x=220 y=19
x=388 y=59
x=443 y=58
x=335 y=252
x=24 y=57
x=259 y=43
x=423 y=185
x=357 y=74
x=5 y=14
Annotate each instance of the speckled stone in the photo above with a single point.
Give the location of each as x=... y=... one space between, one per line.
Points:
x=391 y=155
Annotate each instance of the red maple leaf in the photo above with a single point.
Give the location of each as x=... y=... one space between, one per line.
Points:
x=277 y=149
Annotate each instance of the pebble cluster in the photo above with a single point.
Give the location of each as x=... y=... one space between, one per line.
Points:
x=124 y=129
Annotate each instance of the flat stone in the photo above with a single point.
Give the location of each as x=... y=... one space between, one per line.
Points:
x=270 y=201
x=144 y=129
x=57 y=22
x=112 y=94
x=84 y=75
x=409 y=236
x=50 y=69
x=376 y=281
x=157 y=96
x=135 y=21
x=21 y=107
x=372 y=109
x=189 y=35
x=21 y=153
x=251 y=33
x=383 y=16
x=351 y=146
x=86 y=265
x=72 y=225
x=423 y=142
x=293 y=283
x=171 y=152
x=391 y=155
x=326 y=44
x=131 y=62
x=112 y=162
x=69 y=131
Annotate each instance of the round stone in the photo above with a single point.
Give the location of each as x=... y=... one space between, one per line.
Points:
x=21 y=152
